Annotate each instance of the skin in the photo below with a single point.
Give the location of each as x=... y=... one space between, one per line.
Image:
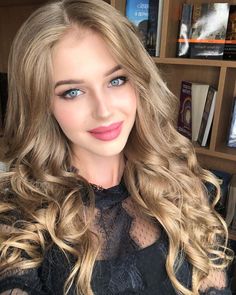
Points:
x=92 y=90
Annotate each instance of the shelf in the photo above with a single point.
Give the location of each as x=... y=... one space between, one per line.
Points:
x=196 y=62
x=232 y=235
x=223 y=153
x=20 y=2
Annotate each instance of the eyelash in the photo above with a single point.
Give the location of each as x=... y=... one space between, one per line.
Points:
x=67 y=94
x=124 y=79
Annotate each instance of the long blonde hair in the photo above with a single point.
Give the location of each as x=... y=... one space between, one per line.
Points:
x=161 y=173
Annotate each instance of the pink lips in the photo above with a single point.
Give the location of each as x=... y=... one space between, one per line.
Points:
x=107 y=133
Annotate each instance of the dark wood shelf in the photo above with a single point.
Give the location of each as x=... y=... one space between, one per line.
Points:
x=195 y=62
x=232 y=234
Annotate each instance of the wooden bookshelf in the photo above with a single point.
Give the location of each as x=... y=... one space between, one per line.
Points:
x=219 y=73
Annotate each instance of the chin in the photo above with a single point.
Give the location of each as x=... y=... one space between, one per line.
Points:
x=110 y=151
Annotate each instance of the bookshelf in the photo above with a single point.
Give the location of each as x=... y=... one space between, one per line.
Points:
x=220 y=74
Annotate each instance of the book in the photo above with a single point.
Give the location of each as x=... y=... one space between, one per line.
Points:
x=185 y=29
x=209 y=30
x=191 y=111
x=207 y=117
x=184 y=125
x=224 y=180
x=159 y=27
x=231 y=202
x=154 y=27
x=231 y=142
x=137 y=12
x=199 y=95
x=230 y=41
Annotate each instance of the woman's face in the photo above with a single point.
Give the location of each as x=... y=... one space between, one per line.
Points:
x=94 y=102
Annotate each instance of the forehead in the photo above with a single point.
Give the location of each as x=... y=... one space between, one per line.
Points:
x=79 y=47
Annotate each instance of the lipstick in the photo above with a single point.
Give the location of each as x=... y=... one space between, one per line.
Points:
x=107 y=133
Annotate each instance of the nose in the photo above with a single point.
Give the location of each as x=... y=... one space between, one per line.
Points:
x=102 y=108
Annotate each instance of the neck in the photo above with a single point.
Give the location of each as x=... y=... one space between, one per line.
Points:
x=102 y=171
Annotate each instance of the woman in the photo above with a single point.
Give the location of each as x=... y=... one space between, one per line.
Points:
x=102 y=196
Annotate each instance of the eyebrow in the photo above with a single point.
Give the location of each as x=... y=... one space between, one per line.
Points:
x=72 y=81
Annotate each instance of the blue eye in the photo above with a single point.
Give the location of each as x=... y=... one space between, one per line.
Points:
x=118 y=81
x=71 y=93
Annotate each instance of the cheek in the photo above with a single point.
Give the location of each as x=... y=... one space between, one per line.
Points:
x=66 y=117
x=130 y=103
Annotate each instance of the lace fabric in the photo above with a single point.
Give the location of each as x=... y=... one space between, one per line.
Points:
x=122 y=231
x=121 y=227
x=131 y=259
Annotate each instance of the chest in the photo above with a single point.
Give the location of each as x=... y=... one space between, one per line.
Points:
x=142 y=273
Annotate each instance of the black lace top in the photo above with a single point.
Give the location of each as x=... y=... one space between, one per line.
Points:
x=131 y=259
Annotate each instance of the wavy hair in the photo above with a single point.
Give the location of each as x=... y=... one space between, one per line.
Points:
x=41 y=198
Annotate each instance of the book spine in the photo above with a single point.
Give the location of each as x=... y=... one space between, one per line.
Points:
x=185 y=28
x=209 y=30
x=137 y=13
x=207 y=117
x=184 y=125
x=152 y=26
x=159 y=28
x=230 y=42
x=231 y=142
x=199 y=95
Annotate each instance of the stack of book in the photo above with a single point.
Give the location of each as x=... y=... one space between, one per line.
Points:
x=207 y=30
x=146 y=15
x=197 y=106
